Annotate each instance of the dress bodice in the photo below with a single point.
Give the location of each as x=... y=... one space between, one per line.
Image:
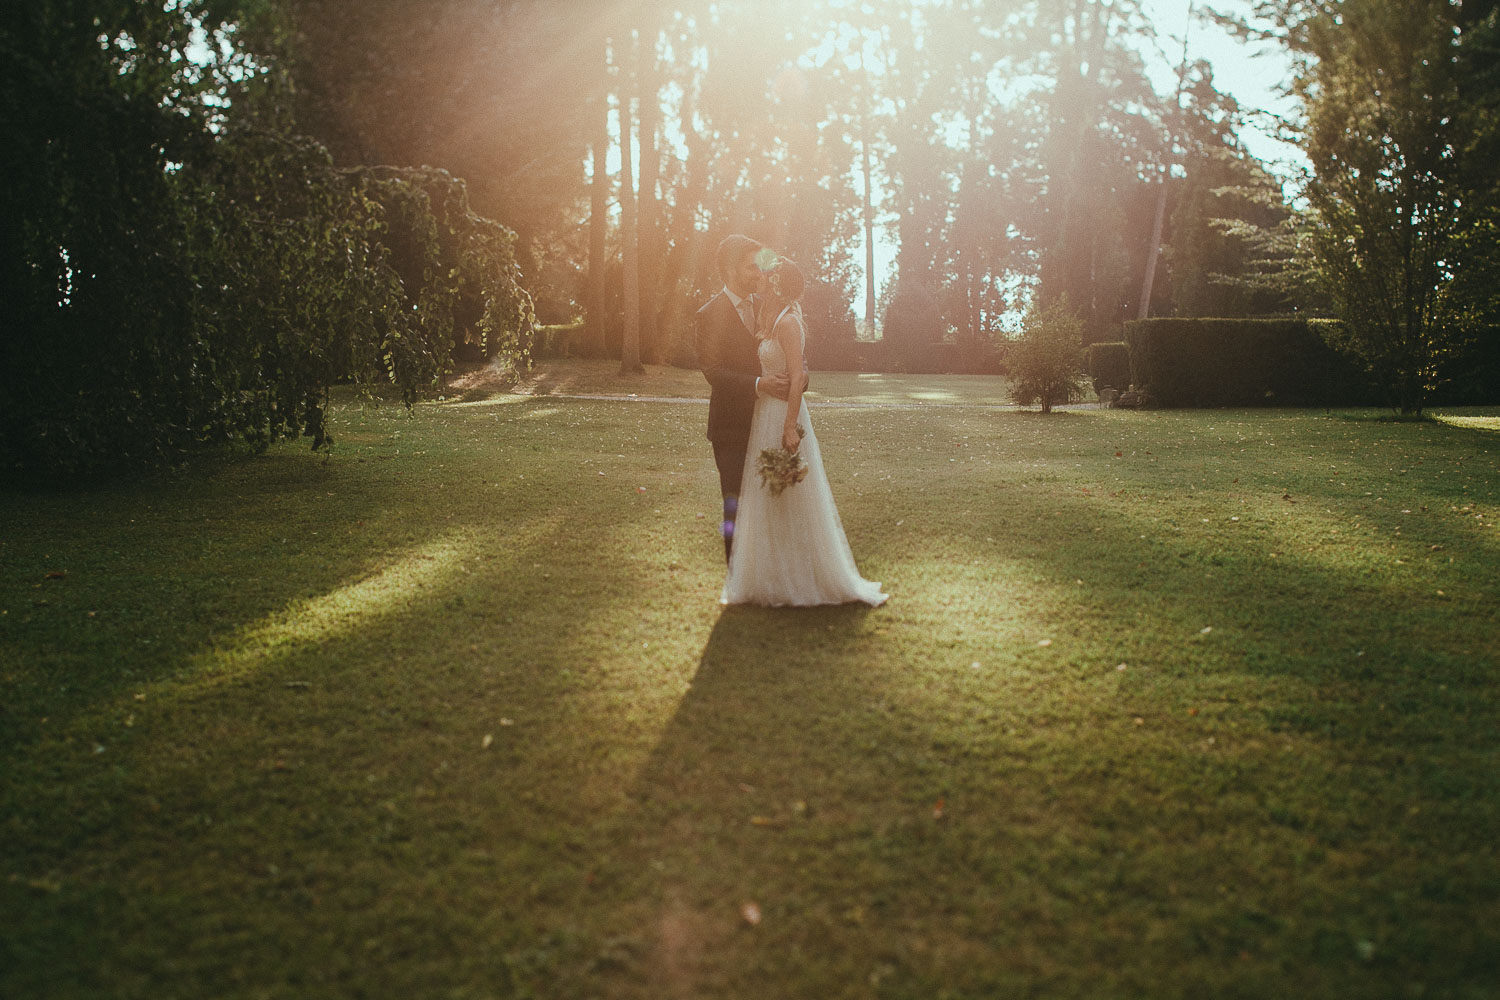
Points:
x=772 y=355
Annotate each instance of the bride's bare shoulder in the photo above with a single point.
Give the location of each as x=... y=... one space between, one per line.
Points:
x=789 y=327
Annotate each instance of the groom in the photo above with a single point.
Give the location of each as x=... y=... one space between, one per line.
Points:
x=726 y=345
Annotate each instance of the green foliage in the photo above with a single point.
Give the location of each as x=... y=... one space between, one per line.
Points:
x=182 y=269
x=1393 y=204
x=1242 y=362
x=465 y=263
x=1047 y=361
x=1109 y=365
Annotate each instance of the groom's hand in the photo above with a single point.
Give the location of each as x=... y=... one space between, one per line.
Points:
x=775 y=385
x=779 y=385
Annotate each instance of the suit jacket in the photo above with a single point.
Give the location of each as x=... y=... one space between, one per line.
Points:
x=727 y=354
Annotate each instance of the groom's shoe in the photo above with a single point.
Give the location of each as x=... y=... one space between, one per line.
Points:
x=731 y=508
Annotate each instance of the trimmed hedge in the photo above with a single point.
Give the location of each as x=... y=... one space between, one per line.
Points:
x=1242 y=362
x=1475 y=374
x=1109 y=365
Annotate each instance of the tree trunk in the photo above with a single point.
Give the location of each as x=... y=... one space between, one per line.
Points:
x=869 y=221
x=650 y=242
x=1143 y=311
x=687 y=245
x=630 y=348
x=599 y=212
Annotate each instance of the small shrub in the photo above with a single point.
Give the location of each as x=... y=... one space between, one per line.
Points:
x=1047 y=362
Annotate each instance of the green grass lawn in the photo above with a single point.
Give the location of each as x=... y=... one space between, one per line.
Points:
x=1167 y=704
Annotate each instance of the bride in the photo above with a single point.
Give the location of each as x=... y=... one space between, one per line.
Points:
x=789 y=547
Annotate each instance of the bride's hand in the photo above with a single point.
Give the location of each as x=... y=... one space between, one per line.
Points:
x=791 y=440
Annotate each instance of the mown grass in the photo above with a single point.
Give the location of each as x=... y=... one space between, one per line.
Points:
x=456 y=714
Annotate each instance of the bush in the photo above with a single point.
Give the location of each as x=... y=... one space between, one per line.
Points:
x=1047 y=361
x=1241 y=362
x=1474 y=375
x=1109 y=365
x=178 y=276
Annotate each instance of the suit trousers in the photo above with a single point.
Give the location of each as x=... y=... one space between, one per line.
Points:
x=730 y=458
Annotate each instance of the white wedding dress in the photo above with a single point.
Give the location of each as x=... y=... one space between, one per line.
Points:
x=790 y=549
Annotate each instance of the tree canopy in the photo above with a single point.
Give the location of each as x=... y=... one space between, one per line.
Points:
x=215 y=209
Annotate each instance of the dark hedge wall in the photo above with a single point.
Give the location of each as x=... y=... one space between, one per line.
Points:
x=1242 y=362
x=1109 y=365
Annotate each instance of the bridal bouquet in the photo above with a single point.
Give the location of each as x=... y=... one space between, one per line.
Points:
x=780 y=468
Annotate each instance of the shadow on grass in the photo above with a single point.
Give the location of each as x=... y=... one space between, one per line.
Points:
x=809 y=776
x=493 y=785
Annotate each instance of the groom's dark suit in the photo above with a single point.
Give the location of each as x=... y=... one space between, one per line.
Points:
x=727 y=354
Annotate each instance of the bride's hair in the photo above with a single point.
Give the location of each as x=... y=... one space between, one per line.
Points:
x=786 y=281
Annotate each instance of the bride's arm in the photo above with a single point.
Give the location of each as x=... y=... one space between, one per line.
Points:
x=789 y=333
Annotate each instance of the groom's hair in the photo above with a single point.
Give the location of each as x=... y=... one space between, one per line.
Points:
x=731 y=250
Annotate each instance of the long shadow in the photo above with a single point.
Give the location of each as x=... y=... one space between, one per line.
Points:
x=113 y=587
x=767 y=676
x=1248 y=763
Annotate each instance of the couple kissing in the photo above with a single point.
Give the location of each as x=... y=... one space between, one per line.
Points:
x=783 y=539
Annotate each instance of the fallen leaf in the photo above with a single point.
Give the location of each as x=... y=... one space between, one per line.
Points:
x=57 y=574
x=937 y=809
x=768 y=821
x=1192 y=711
x=1139 y=721
x=484 y=744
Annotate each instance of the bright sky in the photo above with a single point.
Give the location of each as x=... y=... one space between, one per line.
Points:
x=1253 y=74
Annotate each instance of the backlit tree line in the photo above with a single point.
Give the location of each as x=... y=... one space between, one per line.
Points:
x=236 y=203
